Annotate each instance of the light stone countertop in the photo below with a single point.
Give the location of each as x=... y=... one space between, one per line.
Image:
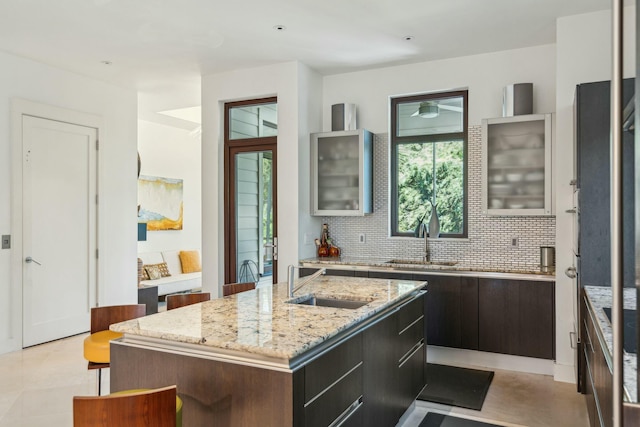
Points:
x=599 y=298
x=260 y=323
x=524 y=272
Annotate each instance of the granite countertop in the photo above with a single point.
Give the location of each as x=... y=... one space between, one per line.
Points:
x=600 y=297
x=416 y=265
x=259 y=323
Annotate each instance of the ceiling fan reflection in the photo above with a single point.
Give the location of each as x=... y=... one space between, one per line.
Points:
x=430 y=110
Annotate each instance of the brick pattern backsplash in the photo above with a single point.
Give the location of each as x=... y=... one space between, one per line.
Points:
x=489 y=237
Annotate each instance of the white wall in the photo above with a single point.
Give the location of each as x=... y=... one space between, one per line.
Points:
x=485 y=76
x=284 y=81
x=172 y=152
x=583 y=55
x=23 y=78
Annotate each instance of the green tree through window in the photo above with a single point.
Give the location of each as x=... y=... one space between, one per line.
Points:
x=434 y=144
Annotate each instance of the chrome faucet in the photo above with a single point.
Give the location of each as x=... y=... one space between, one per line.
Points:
x=426 y=257
x=301 y=282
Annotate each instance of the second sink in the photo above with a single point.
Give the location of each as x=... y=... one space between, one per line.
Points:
x=419 y=262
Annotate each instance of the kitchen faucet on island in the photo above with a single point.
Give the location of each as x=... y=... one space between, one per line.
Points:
x=290 y=278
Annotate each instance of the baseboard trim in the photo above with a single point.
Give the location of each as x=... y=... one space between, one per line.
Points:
x=481 y=359
x=564 y=373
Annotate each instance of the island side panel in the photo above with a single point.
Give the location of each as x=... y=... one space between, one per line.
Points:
x=213 y=393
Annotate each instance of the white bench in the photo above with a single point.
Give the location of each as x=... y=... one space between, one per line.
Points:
x=178 y=281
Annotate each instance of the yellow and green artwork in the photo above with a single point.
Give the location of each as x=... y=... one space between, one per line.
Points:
x=160 y=201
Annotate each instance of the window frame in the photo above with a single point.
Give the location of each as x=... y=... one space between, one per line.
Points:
x=395 y=140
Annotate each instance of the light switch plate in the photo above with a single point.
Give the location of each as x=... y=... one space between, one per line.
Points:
x=6 y=241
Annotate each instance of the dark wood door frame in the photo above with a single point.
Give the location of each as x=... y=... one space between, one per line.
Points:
x=231 y=148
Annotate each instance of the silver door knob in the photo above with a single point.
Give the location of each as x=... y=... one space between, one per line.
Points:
x=29 y=259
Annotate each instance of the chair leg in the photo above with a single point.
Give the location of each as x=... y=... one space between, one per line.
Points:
x=99 y=381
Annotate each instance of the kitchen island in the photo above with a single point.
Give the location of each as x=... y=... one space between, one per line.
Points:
x=257 y=358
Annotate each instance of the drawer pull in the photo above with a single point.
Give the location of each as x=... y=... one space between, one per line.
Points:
x=410 y=353
x=412 y=323
x=342 y=418
x=333 y=384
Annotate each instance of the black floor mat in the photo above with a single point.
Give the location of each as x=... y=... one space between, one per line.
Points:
x=450 y=385
x=433 y=419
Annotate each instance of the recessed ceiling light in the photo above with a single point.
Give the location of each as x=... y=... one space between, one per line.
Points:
x=408 y=38
x=279 y=27
x=106 y=62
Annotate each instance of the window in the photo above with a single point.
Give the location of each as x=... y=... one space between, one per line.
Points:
x=429 y=162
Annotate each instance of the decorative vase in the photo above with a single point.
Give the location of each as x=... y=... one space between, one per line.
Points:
x=434 y=222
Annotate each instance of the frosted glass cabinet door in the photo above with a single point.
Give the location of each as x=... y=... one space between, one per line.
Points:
x=341 y=173
x=516 y=165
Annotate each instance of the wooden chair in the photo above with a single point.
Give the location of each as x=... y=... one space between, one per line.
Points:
x=180 y=300
x=96 y=345
x=234 y=288
x=134 y=408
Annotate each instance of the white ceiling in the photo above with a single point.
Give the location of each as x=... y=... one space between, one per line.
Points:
x=162 y=47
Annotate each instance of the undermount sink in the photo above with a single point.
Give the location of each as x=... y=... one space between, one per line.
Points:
x=329 y=302
x=419 y=262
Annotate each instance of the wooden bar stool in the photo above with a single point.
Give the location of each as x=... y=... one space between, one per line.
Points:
x=96 y=345
x=130 y=408
x=235 y=288
x=180 y=300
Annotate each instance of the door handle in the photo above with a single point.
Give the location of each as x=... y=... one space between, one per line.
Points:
x=29 y=260
x=274 y=247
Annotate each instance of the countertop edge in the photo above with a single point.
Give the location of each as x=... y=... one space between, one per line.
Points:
x=402 y=268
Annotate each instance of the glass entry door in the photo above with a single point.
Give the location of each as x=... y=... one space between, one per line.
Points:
x=255 y=240
x=251 y=243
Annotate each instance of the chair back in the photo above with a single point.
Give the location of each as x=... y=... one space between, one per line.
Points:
x=102 y=317
x=152 y=408
x=234 y=288
x=180 y=300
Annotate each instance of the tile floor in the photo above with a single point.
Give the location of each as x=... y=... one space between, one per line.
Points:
x=37 y=385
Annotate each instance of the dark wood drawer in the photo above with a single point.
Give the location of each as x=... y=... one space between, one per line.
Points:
x=410 y=313
x=330 y=367
x=409 y=337
x=334 y=401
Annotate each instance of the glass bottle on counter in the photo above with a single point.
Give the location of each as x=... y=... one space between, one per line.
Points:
x=323 y=249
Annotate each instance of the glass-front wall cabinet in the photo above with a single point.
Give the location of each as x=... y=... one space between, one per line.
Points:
x=516 y=160
x=342 y=173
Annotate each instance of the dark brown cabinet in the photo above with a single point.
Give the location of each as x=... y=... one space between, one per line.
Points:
x=411 y=353
x=333 y=384
x=395 y=361
x=451 y=311
x=398 y=275
x=505 y=316
x=598 y=379
x=516 y=317
x=370 y=379
x=368 y=376
x=380 y=391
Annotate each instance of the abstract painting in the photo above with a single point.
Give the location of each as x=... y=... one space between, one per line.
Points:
x=160 y=201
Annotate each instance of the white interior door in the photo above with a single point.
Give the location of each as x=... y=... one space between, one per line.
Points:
x=59 y=228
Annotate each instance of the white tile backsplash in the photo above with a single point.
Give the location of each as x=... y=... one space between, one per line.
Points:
x=489 y=238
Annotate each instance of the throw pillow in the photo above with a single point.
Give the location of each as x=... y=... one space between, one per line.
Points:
x=164 y=269
x=153 y=271
x=145 y=275
x=190 y=261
